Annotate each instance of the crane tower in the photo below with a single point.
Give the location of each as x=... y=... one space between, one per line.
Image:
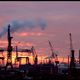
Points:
x=9 y=49
x=72 y=61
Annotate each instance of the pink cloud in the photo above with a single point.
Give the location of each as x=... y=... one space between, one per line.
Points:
x=26 y=34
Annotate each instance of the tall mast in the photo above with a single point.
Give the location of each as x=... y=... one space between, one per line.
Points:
x=9 y=49
x=72 y=61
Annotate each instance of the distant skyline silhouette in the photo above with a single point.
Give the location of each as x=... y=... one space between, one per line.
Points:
x=61 y=18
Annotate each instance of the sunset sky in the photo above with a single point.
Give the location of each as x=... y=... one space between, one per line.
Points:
x=52 y=21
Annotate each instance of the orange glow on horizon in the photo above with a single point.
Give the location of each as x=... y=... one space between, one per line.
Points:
x=41 y=58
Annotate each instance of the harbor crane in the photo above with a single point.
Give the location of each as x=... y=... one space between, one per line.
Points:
x=9 y=49
x=51 y=49
x=72 y=61
x=53 y=55
x=18 y=58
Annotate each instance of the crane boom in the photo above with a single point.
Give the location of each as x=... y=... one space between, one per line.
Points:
x=51 y=48
x=19 y=50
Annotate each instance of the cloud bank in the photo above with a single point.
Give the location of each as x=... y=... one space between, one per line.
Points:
x=19 y=24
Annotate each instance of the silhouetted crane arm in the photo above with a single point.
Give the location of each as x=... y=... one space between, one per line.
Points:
x=51 y=48
x=19 y=50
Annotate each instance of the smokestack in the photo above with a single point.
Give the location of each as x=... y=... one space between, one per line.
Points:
x=79 y=56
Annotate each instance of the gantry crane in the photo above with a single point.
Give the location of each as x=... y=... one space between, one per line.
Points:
x=10 y=49
x=18 y=58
